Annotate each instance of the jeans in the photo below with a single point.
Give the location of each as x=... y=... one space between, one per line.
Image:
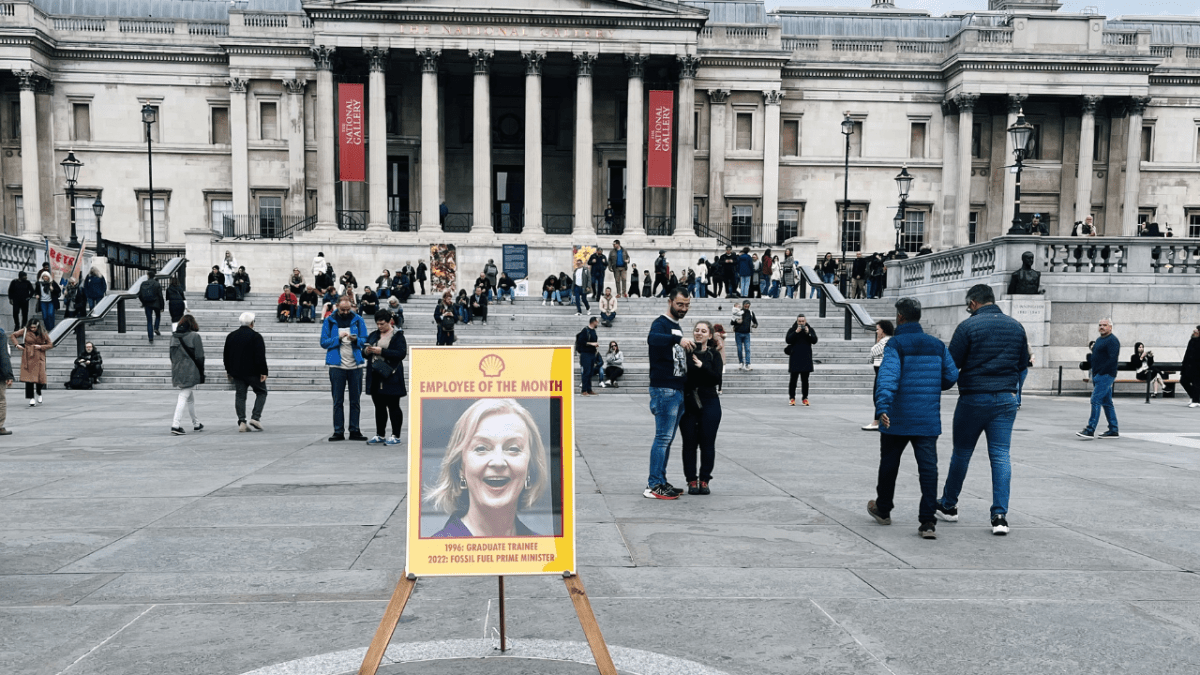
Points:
x=976 y=414
x=186 y=404
x=153 y=316
x=47 y=314
x=1102 y=392
x=597 y=285
x=508 y=292
x=580 y=295
x=743 y=339
x=1021 y=385
x=339 y=379
x=791 y=291
x=551 y=296
x=891 y=447
x=607 y=318
x=306 y=312
x=744 y=286
x=702 y=289
x=587 y=366
x=764 y=284
x=240 y=385
x=698 y=428
x=667 y=406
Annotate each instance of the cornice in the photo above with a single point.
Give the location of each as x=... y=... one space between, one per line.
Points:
x=743 y=61
x=85 y=54
x=269 y=50
x=858 y=74
x=1110 y=68
x=1187 y=80
x=391 y=15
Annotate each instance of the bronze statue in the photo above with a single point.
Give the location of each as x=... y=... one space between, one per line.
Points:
x=1025 y=281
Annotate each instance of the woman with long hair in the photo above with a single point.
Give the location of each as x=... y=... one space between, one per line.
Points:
x=187 y=371
x=36 y=342
x=1142 y=362
x=176 y=301
x=884 y=330
x=47 y=294
x=614 y=365
x=701 y=409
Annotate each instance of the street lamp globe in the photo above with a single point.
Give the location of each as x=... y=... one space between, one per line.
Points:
x=1021 y=133
x=904 y=182
x=71 y=167
x=98 y=207
x=898 y=220
x=149 y=114
x=847 y=124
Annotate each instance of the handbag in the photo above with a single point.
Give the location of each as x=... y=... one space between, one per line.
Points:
x=787 y=350
x=381 y=369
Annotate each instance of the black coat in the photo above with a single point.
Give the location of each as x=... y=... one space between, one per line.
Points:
x=20 y=290
x=394 y=356
x=245 y=354
x=1191 y=361
x=800 y=360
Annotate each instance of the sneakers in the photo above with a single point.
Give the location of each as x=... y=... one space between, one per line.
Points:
x=337 y=437
x=1089 y=435
x=927 y=531
x=198 y=427
x=39 y=399
x=879 y=517
x=999 y=525
x=392 y=440
x=177 y=431
x=674 y=489
x=748 y=367
x=804 y=401
x=376 y=440
x=949 y=515
x=873 y=426
x=32 y=403
x=256 y=425
x=693 y=487
x=704 y=488
x=663 y=491
x=1109 y=434
x=1194 y=404
x=243 y=428
x=791 y=401
x=5 y=432
x=357 y=436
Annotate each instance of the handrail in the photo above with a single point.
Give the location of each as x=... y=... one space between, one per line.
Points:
x=835 y=296
x=109 y=301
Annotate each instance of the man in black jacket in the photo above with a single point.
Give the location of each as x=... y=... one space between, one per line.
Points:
x=246 y=366
x=586 y=343
x=1189 y=374
x=858 y=273
x=20 y=290
x=728 y=262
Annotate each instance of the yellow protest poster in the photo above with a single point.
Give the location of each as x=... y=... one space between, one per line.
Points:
x=490 y=463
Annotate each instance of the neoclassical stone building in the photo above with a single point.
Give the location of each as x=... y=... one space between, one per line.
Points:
x=526 y=120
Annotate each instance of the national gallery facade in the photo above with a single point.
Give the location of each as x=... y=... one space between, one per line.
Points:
x=286 y=124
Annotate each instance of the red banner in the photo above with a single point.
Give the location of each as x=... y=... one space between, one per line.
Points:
x=352 y=164
x=658 y=153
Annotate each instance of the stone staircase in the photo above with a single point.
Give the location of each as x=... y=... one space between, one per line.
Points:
x=297 y=360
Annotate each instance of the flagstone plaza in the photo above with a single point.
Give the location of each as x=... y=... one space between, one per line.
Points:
x=124 y=550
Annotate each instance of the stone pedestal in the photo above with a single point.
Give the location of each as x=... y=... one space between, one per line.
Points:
x=1033 y=311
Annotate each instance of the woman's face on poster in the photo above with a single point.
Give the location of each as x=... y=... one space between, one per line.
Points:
x=496 y=461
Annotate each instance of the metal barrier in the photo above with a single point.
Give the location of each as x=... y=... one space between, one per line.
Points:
x=352 y=220
x=558 y=224
x=659 y=226
x=264 y=227
x=604 y=227
x=404 y=221
x=127 y=262
x=456 y=222
x=854 y=311
x=508 y=223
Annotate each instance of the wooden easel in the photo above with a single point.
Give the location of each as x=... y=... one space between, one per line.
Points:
x=404 y=589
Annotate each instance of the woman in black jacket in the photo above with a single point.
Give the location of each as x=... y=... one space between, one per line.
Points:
x=176 y=301
x=385 y=352
x=1142 y=363
x=800 y=338
x=701 y=416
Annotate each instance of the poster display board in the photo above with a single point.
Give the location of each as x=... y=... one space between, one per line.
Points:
x=443 y=267
x=516 y=260
x=661 y=134
x=352 y=165
x=491 y=473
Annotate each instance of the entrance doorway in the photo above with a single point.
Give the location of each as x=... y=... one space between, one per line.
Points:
x=616 y=194
x=400 y=217
x=508 y=208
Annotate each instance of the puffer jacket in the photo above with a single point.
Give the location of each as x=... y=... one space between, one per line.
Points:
x=916 y=369
x=990 y=350
x=184 y=371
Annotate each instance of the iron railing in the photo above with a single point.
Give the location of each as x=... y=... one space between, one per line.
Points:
x=604 y=227
x=127 y=262
x=558 y=223
x=754 y=235
x=404 y=221
x=660 y=226
x=171 y=267
x=508 y=223
x=258 y=226
x=352 y=219
x=456 y=222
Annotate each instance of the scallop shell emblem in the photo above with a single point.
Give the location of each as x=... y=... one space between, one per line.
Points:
x=491 y=365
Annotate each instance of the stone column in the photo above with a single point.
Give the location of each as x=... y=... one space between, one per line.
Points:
x=716 y=155
x=1008 y=198
x=430 y=169
x=533 y=138
x=635 y=119
x=1087 y=139
x=295 y=139
x=584 y=177
x=481 y=164
x=31 y=193
x=239 y=145
x=685 y=143
x=962 y=205
x=950 y=176
x=377 y=58
x=1133 y=167
x=326 y=176
x=770 y=203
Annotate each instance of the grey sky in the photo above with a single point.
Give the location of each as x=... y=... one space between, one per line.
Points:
x=1109 y=8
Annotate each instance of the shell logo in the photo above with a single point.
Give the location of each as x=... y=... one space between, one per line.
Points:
x=491 y=365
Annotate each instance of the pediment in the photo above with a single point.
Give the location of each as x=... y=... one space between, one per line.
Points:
x=549 y=8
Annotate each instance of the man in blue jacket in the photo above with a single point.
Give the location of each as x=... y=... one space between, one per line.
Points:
x=991 y=351
x=343 y=336
x=745 y=270
x=1105 y=355
x=916 y=369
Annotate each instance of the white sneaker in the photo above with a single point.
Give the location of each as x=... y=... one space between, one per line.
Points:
x=32 y=403
x=392 y=440
x=873 y=426
x=376 y=440
x=39 y=399
x=1194 y=405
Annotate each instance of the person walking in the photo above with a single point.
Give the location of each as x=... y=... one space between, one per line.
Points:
x=800 y=338
x=1105 y=358
x=386 y=350
x=662 y=275
x=766 y=271
x=187 y=371
x=343 y=335
x=990 y=350
x=35 y=343
x=618 y=264
x=614 y=366
x=151 y=297
x=48 y=293
x=635 y=282
x=728 y=263
x=176 y=301
x=608 y=308
x=586 y=343
x=94 y=288
x=1189 y=373
x=492 y=274
x=916 y=368
x=422 y=275
x=20 y=290
x=858 y=276
x=743 y=321
x=884 y=330
x=597 y=265
x=668 y=375
x=245 y=359
x=745 y=272
x=6 y=377
x=701 y=416
x=581 y=282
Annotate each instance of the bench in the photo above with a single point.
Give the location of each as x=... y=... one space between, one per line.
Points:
x=1166 y=369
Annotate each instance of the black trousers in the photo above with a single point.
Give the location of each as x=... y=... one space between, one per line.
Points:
x=387 y=405
x=925 y=451
x=240 y=385
x=698 y=428
x=20 y=314
x=29 y=388
x=803 y=384
x=1192 y=388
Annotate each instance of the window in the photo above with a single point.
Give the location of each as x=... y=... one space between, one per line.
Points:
x=852 y=234
x=856 y=142
x=1100 y=143
x=741 y=229
x=622 y=119
x=1147 y=142
x=696 y=131
x=1193 y=223
x=745 y=131
x=160 y=218
x=1145 y=216
x=81 y=127
x=19 y=205
x=218 y=210
x=695 y=212
x=977 y=140
x=85 y=218
x=154 y=133
x=270 y=215
x=268 y=116
x=789 y=139
x=916 y=140
x=220 y=126
x=789 y=224
x=972 y=226
x=913 y=237
x=394 y=108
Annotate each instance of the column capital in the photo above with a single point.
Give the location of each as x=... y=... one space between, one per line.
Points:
x=377 y=58
x=27 y=79
x=295 y=87
x=44 y=85
x=533 y=62
x=585 y=62
x=482 y=60
x=966 y=102
x=237 y=85
x=773 y=96
x=718 y=96
x=429 y=60
x=1088 y=104
x=688 y=65
x=322 y=56
x=1016 y=102
x=1136 y=105
x=635 y=64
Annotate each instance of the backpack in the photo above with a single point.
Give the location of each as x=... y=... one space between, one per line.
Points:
x=80 y=378
x=146 y=293
x=660 y=265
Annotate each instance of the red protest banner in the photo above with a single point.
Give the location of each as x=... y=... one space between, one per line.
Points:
x=352 y=164
x=658 y=155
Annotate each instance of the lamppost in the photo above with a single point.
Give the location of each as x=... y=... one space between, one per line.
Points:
x=1021 y=134
x=847 y=131
x=71 y=168
x=98 y=209
x=903 y=184
x=149 y=116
